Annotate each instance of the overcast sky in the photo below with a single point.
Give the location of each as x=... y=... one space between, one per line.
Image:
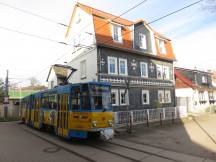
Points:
x=192 y=31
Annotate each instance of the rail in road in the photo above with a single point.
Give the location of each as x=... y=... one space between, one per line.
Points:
x=117 y=150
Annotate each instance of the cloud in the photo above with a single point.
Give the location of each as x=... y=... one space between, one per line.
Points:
x=197 y=49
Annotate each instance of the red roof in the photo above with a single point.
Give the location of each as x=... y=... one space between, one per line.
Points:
x=183 y=80
x=103 y=31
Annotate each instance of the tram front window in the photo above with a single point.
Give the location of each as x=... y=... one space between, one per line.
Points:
x=101 y=97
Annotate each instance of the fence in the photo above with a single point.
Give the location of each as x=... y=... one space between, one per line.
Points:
x=12 y=111
x=147 y=115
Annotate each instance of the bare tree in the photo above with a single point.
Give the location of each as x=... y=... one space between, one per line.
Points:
x=34 y=81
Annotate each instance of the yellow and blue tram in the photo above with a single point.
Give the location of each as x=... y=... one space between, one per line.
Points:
x=73 y=110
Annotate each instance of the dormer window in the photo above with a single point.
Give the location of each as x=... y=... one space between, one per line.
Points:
x=204 y=79
x=117 y=36
x=142 y=41
x=161 y=46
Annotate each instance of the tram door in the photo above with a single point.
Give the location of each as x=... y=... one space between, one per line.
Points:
x=36 y=112
x=62 y=122
x=29 y=110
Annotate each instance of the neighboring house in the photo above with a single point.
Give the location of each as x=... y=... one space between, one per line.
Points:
x=213 y=77
x=15 y=96
x=112 y=49
x=57 y=75
x=195 y=87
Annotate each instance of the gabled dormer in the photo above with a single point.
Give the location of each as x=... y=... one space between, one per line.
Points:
x=91 y=27
x=142 y=38
x=163 y=46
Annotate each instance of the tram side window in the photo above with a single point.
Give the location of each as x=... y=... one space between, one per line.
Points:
x=101 y=97
x=53 y=101
x=85 y=97
x=45 y=101
x=75 y=100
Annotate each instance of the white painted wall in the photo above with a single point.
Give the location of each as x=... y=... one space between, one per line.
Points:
x=195 y=105
x=81 y=31
x=198 y=106
x=91 y=67
x=184 y=92
x=53 y=78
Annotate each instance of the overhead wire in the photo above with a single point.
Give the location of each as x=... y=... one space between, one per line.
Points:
x=158 y=19
x=33 y=14
x=116 y=17
x=41 y=71
x=32 y=35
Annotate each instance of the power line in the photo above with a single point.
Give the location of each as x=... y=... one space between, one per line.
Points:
x=41 y=17
x=41 y=71
x=116 y=17
x=147 y=23
x=169 y=14
x=33 y=14
x=32 y=35
x=160 y=18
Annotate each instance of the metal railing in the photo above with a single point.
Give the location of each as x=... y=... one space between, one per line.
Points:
x=122 y=118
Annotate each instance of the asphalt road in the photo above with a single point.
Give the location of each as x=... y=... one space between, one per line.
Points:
x=19 y=143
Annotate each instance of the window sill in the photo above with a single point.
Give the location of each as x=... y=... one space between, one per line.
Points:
x=142 y=76
x=83 y=78
x=123 y=104
x=143 y=48
x=123 y=74
x=115 y=41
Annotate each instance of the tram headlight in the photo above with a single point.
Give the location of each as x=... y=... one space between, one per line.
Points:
x=94 y=123
x=110 y=123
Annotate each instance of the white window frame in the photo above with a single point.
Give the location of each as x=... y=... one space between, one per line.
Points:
x=142 y=41
x=147 y=97
x=167 y=72
x=201 y=96
x=126 y=69
x=161 y=92
x=161 y=45
x=161 y=68
x=116 y=96
x=126 y=97
x=167 y=100
x=204 y=79
x=116 y=70
x=146 y=66
x=83 y=69
x=118 y=34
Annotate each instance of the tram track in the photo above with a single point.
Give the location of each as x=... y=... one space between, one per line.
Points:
x=58 y=145
x=31 y=131
x=115 y=149
x=99 y=146
x=157 y=147
x=112 y=152
x=146 y=152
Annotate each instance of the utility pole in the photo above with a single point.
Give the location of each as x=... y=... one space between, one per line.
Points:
x=6 y=97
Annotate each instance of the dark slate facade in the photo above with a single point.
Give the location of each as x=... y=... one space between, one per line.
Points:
x=136 y=82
